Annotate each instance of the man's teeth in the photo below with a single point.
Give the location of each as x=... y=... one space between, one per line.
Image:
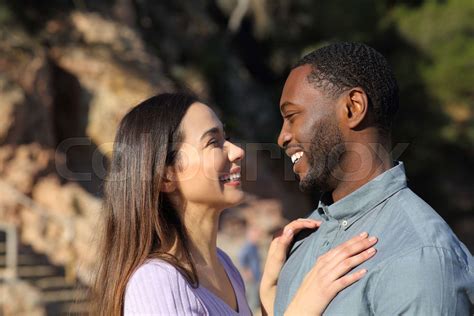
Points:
x=296 y=157
x=230 y=177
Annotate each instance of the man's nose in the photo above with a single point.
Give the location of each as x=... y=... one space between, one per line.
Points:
x=284 y=138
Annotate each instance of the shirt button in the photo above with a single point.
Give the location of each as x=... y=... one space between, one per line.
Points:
x=344 y=223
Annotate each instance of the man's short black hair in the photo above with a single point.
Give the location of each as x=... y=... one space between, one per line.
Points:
x=341 y=66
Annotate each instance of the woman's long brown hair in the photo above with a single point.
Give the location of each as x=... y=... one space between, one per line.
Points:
x=139 y=221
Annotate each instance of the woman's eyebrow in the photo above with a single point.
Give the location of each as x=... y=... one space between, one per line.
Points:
x=211 y=131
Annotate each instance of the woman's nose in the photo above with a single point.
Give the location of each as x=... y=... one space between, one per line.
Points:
x=235 y=153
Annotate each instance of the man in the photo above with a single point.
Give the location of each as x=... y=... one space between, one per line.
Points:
x=338 y=105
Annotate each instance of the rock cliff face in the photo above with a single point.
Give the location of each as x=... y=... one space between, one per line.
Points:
x=62 y=96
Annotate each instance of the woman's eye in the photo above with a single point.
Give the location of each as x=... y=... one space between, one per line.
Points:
x=212 y=142
x=215 y=143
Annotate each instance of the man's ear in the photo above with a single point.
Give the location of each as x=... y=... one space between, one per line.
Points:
x=168 y=181
x=356 y=107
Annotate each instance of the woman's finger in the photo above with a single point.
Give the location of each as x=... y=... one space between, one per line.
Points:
x=328 y=258
x=346 y=280
x=348 y=251
x=331 y=253
x=348 y=264
x=279 y=247
x=281 y=243
x=302 y=223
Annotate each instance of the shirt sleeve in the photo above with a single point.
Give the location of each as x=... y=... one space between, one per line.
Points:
x=158 y=288
x=428 y=281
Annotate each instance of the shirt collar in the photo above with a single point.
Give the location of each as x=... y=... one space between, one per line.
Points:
x=353 y=206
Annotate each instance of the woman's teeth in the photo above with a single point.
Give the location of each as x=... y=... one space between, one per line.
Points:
x=297 y=156
x=230 y=177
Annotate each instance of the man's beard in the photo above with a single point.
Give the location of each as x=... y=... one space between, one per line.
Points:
x=325 y=150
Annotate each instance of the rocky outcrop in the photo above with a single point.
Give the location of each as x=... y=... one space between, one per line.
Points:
x=111 y=69
x=20 y=298
x=25 y=87
x=66 y=233
x=61 y=104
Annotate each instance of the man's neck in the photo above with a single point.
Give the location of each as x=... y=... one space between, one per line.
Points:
x=360 y=165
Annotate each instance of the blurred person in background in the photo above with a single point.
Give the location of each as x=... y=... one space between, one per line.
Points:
x=338 y=105
x=172 y=173
x=250 y=262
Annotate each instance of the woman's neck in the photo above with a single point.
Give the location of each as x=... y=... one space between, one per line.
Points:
x=201 y=224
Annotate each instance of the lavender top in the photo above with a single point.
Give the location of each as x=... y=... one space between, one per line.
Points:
x=158 y=288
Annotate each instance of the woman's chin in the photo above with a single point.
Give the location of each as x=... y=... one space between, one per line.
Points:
x=234 y=198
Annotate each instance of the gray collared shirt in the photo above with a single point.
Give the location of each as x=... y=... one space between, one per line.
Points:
x=421 y=267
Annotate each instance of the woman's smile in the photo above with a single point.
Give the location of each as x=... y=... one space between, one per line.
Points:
x=232 y=178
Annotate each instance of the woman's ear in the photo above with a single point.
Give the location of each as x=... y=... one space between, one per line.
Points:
x=168 y=181
x=356 y=107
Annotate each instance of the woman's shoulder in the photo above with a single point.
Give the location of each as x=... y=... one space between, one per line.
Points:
x=156 y=267
x=158 y=287
x=157 y=271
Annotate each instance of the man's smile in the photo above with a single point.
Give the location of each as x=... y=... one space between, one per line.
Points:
x=296 y=157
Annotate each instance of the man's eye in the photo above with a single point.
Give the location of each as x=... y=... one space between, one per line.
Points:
x=289 y=116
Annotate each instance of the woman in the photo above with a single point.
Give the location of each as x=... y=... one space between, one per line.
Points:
x=172 y=173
